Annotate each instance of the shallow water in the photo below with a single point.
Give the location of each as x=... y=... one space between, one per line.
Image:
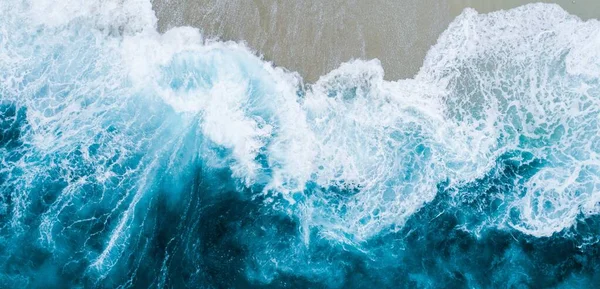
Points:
x=132 y=158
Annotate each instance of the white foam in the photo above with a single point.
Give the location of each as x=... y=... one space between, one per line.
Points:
x=510 y=80
x=115 y=16
x=527 y=77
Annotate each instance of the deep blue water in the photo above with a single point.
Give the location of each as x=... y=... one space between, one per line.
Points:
x=131 y=159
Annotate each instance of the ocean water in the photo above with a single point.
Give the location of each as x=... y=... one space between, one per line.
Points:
x=133 y=159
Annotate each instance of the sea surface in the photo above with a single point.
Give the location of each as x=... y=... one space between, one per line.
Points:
x=131 y=158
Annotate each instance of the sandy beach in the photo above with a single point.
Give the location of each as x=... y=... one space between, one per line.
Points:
x=314 y=37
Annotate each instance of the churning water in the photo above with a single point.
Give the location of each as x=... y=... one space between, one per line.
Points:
x=130 y=158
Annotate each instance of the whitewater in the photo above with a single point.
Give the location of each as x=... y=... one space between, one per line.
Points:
x=130 y=158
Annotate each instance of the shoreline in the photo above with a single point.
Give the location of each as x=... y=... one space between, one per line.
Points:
x=315 y=37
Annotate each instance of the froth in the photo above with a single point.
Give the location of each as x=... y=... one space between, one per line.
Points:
x=351 y=156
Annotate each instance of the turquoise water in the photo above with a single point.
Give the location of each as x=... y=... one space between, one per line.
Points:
x=130 y=158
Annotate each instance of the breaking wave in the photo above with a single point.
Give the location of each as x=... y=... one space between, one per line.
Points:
x=131 y=158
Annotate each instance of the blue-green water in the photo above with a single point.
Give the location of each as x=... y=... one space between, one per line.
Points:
x=134 y=159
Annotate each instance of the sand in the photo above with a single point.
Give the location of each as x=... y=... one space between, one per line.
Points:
x=314 y=36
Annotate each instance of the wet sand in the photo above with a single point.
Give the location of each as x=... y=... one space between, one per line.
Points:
x=313 y=37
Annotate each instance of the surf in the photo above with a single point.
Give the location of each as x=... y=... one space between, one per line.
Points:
x=111 y=130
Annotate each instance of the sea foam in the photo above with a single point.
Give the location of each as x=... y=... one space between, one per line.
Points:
x=103 y=117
